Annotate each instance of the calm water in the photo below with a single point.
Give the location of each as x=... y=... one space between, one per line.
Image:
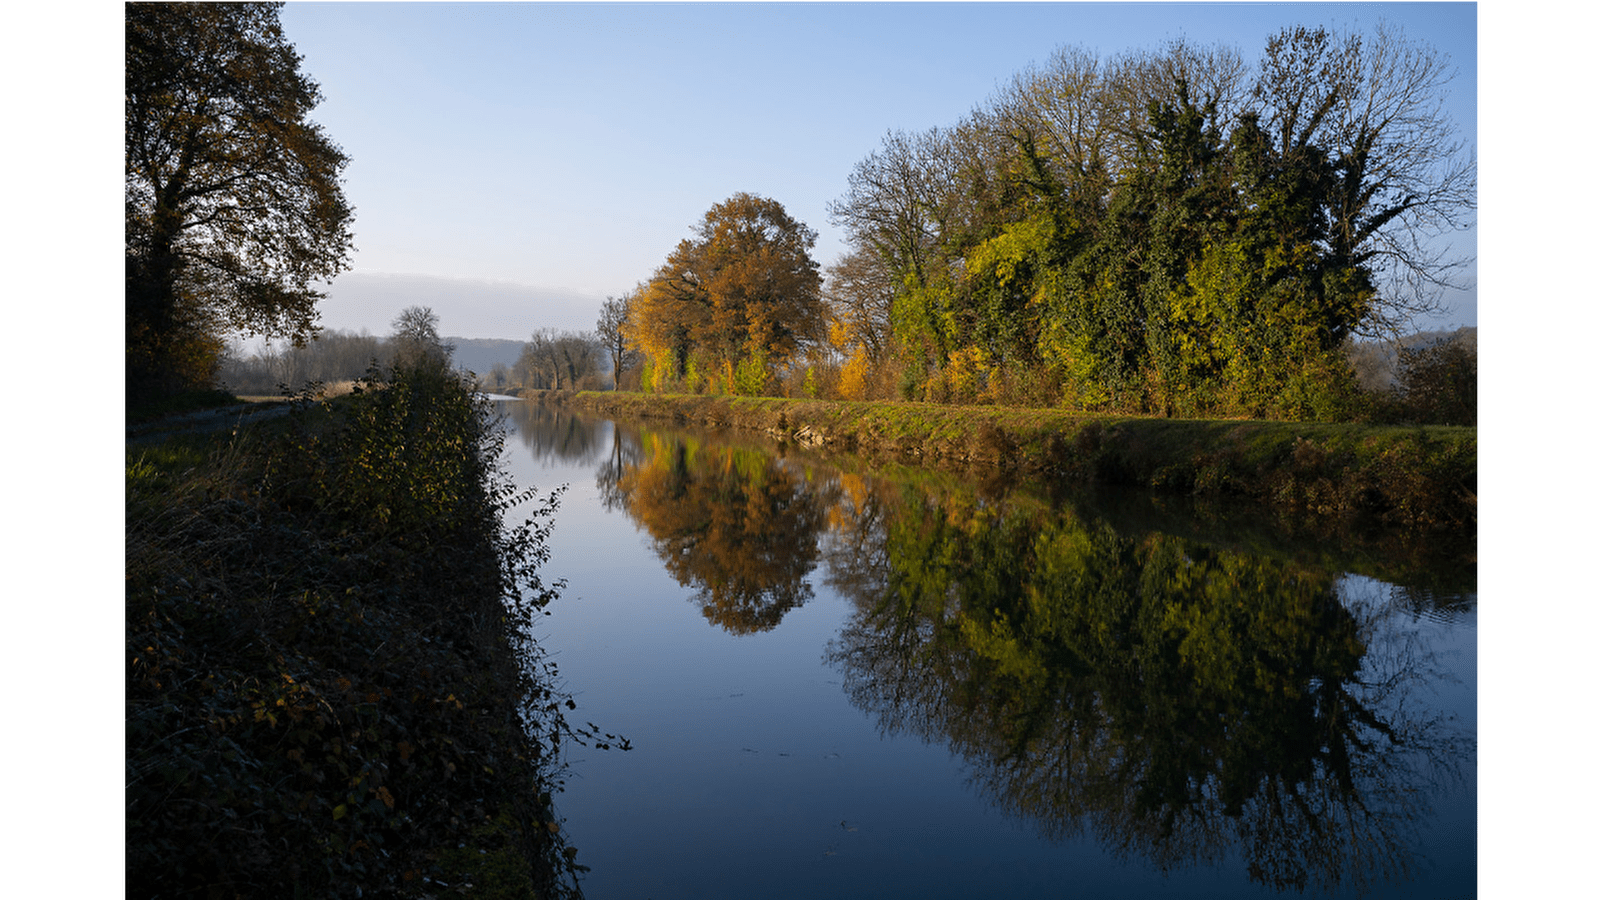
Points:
x=905 y=685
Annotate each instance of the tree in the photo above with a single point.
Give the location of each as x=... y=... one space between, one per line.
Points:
x=740 y=300
x=559 y=360
x=233 y=205
x=611 y=328
x=499 y=374
x=860 y=295
x=416 y=339
x=1375 y=104
x=1437 y=381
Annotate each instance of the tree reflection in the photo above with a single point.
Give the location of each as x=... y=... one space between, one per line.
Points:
x=737 y=525
x=1176 y=701
x=552 y=433
x=1179 y=700
x=627 y=452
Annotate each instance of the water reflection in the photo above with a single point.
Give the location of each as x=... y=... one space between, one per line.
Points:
x=1177 y=702
x=1180 y=700
x=736 y=525
x=553 y=433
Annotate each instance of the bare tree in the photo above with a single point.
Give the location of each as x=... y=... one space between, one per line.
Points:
x=559 y=360
x=860 y=296
x=611 y=329
x=904 y=199
x=416 y=338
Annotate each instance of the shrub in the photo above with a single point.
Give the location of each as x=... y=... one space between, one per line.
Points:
x=1438 y=383
x=331 y=688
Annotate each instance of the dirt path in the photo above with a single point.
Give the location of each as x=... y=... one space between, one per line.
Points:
x=203 y=421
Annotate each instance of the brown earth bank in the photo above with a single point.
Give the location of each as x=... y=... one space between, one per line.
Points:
x=1417 y=478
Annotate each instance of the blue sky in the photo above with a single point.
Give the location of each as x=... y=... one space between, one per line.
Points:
x=514 y=163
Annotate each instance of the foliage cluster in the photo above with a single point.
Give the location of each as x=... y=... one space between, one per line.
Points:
x=1160 y=233
x=1427 y=378
x=333 y=356
x=1438 y=382
x=1165 y=233
x=331 y=687
x=730 y=311
x=559 y=360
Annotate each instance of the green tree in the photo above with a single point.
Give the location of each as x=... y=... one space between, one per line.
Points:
x=745 y=291
x=233 y=205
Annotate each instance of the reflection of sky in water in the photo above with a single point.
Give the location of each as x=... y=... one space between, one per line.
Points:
x=1440 y=639
x=753 y=775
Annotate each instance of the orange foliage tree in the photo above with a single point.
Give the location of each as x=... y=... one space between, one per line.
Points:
x=730 y=308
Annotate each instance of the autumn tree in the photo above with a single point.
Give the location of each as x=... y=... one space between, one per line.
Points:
x=233 y=204
x=860 y=295
x=734 y=304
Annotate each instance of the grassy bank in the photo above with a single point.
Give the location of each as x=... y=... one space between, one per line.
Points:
x=1413 y=477
x=328 y=690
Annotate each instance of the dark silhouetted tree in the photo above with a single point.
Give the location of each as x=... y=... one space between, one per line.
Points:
x=233 y=205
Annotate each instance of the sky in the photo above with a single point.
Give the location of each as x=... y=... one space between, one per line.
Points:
x=513 y=164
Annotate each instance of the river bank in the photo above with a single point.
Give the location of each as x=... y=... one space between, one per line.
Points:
x=329 y=688
x=1418 y=478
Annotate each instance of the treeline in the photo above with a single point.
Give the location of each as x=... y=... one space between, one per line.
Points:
x=548 y=360
x=333 y=356
x=1176 y=232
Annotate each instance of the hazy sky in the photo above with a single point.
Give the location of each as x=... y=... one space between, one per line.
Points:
x=506 y=147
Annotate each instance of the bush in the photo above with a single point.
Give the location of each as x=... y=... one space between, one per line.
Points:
x=1438 y=383
x=331 y=690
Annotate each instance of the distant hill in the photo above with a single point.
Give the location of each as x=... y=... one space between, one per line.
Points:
x=480 y=354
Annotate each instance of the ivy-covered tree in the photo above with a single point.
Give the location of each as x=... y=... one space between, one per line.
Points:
x=1162 y=232
x=233 y=204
